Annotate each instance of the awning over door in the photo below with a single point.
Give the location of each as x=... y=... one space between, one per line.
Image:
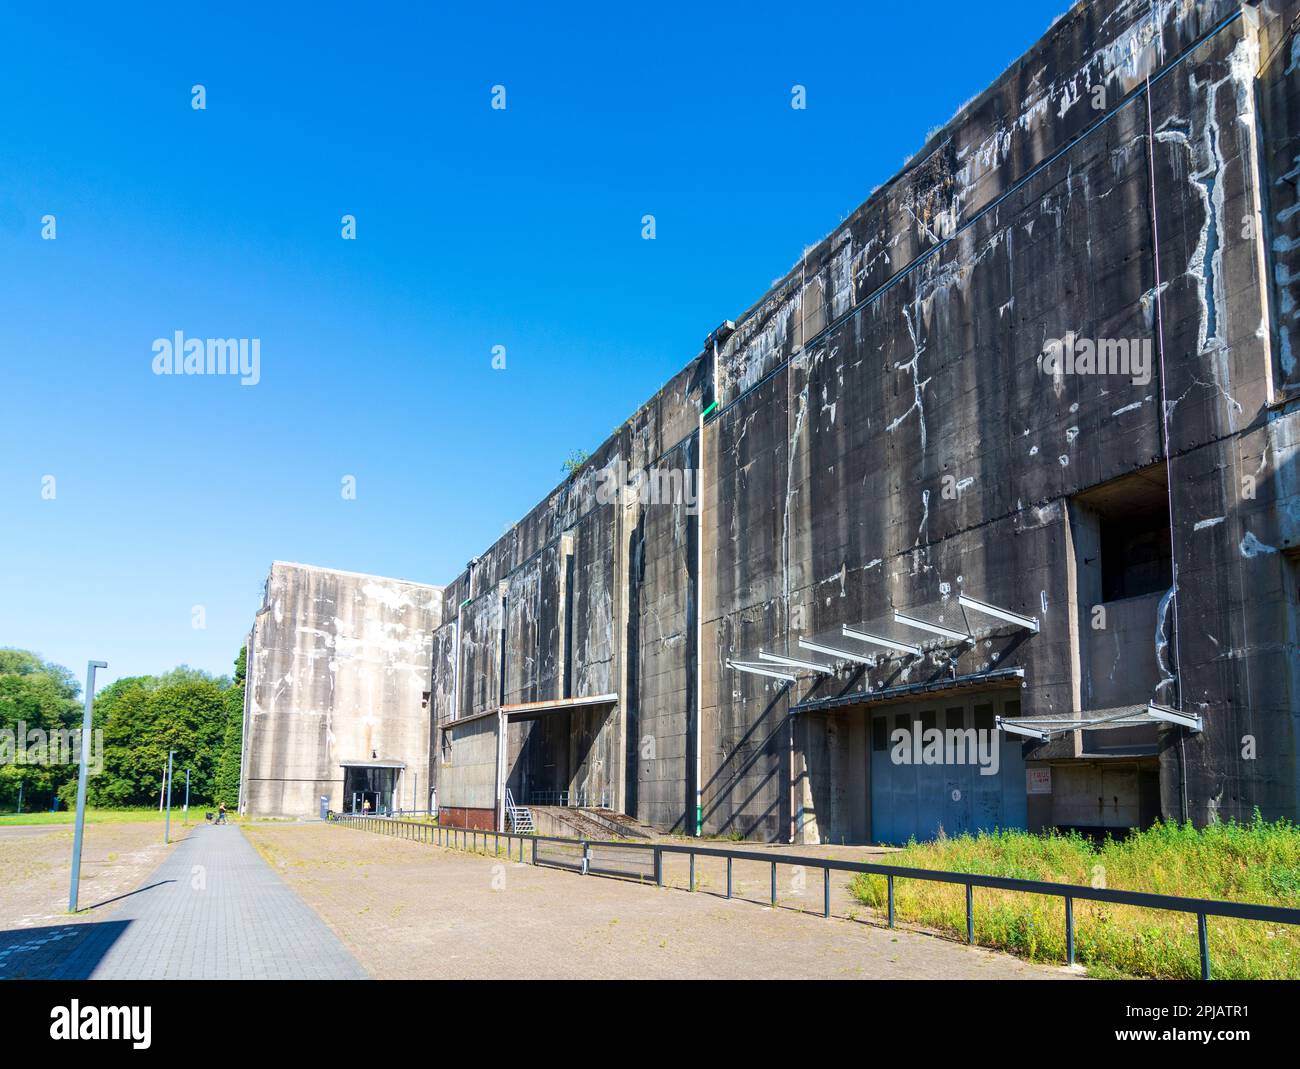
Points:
x=1004 y=677
x=537 y=710
x=1047 y=728
x=911 y=633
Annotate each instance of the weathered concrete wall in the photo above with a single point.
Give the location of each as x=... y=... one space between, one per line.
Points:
x=903 y=350
x=1122 y=667
x=567 y=575
x=840 y=801
x=888 y=435
x=661 y=630
x=467 y=773
x=1279 y=133
x=337 y=670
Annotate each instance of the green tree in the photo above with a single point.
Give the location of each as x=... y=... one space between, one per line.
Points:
x=35 y=696
x=229 y=764
x=145 y=717
x=141 y=719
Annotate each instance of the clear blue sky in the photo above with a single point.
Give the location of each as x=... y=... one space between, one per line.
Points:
x=475 y=228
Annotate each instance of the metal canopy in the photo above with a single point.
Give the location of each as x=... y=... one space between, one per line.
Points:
x=749 y=668
x=1046 y=728
x=936 y=629
x=880 y=640
x=794 y=662
x=895 y=629
x=832 y=651
x=887 y=633
x=1029 y=623
x=535 y=710
x=997 y=677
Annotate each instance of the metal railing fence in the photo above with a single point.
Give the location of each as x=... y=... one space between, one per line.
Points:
x=580 y=799
x=612 y=858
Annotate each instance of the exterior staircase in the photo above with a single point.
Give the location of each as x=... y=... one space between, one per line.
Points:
x=519 y=818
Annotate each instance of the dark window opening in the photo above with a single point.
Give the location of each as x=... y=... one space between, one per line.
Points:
x=880 y=733
x=1122 y=537
x=1135 y=555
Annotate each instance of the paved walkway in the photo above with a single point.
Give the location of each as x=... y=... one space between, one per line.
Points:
x=212 y=910
x=409 y=911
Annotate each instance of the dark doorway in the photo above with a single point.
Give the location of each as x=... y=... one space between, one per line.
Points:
x=543 y=767
x=368 y=783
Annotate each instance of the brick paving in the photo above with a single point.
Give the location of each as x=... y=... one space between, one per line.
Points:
x=212 y=910
x=410 y=910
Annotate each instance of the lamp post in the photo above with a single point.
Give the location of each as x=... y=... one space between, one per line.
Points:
x=167 y=788
x=81 y=782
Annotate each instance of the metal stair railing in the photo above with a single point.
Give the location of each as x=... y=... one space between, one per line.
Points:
x=518 y=817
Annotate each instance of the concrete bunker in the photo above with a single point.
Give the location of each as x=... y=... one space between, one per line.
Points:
x=882 y=432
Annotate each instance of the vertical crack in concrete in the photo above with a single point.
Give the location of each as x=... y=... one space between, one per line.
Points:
x=789 y=493
x=1167 y=671
x=1207 y=179
x=921 y=547
x=918 y=384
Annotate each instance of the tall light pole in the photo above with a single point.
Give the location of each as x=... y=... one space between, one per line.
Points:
x=167 y=824
x=81 y=782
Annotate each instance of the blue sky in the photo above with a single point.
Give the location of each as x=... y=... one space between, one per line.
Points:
x=475 y=227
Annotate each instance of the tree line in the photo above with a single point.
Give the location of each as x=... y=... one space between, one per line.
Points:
x=141 y=718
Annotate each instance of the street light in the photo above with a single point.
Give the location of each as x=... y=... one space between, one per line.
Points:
x=167 y=824
x=81 y=782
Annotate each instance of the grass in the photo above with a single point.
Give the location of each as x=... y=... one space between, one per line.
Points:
x=1255 y=862
x=102 y=816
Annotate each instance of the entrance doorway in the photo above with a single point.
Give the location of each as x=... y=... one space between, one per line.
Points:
x=369 y=783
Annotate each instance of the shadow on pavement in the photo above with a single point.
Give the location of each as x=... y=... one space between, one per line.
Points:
x=58 y=952
x=118 y=898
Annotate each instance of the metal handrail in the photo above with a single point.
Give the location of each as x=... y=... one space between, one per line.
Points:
x=1201 y=907
x=578 y=799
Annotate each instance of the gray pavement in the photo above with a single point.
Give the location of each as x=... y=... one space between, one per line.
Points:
x=212 y=910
